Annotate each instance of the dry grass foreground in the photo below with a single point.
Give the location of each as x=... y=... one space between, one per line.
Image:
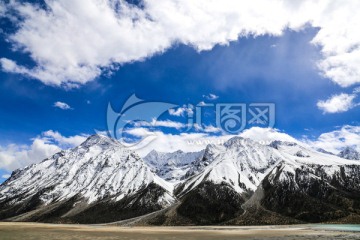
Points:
x=37 y=231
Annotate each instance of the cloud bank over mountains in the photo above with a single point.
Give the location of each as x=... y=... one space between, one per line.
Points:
x=73 y=42
x=15 y=156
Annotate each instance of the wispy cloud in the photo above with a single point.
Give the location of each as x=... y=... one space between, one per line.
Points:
x=207 y=128
x=2 y=9
x=356 y=90
x=161 y=123
x=62 y=105
x=5 y=176
x=211 y=96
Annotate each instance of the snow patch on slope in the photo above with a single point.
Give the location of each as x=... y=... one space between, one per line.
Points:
x=172 y=166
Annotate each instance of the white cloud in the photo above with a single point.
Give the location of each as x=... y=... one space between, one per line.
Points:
x=356 y=90
x=266 y=135
x=201 y=104
x=206 y=128
x=11 y=66
x=211 y=129
x=16 y=156
x=139 y=132
x=160 y=123
x=62 y=141
x=188 y=142
x=181 y=111
x=62 y=105
x=2 y=9
x=71 y=42
x=339 y=41
x=48 y=143
x=337 y=103
x=335 y=141
x=5 y=176
x=211 y=96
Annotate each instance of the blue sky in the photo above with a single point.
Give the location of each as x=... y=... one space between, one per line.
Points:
x=275 y=68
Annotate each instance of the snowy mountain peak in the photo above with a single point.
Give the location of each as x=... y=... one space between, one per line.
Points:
x=236 y=141
x=240 y=163
x=98 y=168
x=349 y=153
x=102 y=176
x=243 y=163
x=99 y=140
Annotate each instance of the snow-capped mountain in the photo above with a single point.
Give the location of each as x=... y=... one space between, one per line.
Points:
x=241 y=163
x=252 y=183
x=239 y=182
x=172 y=166
x=349 y=153
x=97 y=170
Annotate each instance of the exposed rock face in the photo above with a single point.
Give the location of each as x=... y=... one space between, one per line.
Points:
x=99 y=172
x=240 y=182
x=349 y=153
x=172 y=166
x=211 y=203
x=283 y=183
x=313 y=193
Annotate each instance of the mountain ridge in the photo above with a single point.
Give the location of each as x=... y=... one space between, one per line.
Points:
x=238 y=182
x=97 y=171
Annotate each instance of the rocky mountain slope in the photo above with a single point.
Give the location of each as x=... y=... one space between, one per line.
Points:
x=99 y=174
x=246 y=183
x=241 y=182
x=349 y=153
x=172 y=166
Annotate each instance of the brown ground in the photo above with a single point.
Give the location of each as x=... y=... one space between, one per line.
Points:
x=35 y=231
